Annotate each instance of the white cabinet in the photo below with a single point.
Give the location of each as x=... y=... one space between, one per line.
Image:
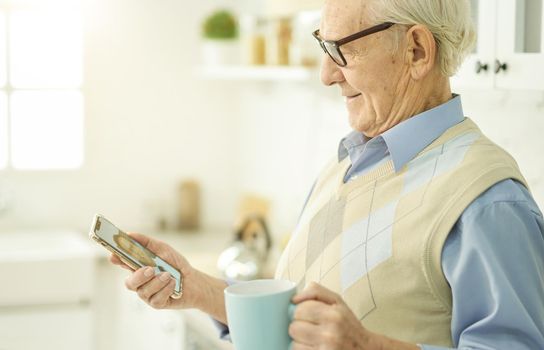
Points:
x=510 y=49
x=142 y=327
x=477 y=70
x=46 y=291
x=520 y=44
x=56 y=327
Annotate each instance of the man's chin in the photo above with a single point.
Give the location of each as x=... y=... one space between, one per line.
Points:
x=357 y=125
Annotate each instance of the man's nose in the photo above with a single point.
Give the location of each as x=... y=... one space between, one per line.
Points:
x=330 y=72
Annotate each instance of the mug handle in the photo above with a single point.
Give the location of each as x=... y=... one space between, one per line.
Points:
x=291 y=312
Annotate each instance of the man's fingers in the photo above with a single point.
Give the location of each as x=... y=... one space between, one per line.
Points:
x=300 y=346
x=311 y=311
x=152 y=287
x=304 y=333
x=315 y=291
x=114 y=259
x=160 y=299
x=139 y=277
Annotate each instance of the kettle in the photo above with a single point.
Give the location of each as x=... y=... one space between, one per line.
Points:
x=246 y=257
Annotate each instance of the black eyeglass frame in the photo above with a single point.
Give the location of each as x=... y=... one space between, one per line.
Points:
x=335 y=44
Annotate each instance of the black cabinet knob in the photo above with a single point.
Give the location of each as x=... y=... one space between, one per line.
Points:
x=500 y=66
x=481 y=67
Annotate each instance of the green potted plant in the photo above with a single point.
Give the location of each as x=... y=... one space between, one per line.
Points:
x=220 y=34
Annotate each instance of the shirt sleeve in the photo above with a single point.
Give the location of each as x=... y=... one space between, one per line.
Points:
x=223 y=330
x=493 y=260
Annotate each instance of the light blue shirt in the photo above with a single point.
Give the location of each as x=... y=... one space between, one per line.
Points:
x=493 y=258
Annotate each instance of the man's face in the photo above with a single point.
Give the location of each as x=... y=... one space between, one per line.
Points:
x=375 y=74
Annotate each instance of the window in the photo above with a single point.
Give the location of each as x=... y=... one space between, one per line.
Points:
x=3 y=100
x=41 y=73
x=2 y=49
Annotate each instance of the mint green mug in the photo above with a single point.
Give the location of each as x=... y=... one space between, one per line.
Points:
x=259 y=313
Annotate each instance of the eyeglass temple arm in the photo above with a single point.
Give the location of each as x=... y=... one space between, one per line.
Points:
x=371 y=30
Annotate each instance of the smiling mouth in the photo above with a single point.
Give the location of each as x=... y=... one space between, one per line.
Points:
x=348 y=98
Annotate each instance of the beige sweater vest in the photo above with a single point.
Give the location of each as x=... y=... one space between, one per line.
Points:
x=377 y=240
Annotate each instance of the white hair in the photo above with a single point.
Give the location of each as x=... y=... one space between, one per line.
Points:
x=449 y=21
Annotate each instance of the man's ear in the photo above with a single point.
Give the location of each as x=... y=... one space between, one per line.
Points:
x=421 y=51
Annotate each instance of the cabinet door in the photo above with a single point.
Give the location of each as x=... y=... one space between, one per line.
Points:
x=142 y=327
x=477 y=70
x=520 y=44
x=56 y=327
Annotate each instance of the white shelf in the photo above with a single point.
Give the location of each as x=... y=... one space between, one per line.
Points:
x=258 y=73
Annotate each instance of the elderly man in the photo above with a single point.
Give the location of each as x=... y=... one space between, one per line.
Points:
x=422 y=233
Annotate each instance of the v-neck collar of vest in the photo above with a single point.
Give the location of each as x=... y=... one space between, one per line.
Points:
x=387 y=169
x=367 y=179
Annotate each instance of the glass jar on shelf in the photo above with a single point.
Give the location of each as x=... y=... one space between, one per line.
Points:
x=253 y=35
x=279 y=41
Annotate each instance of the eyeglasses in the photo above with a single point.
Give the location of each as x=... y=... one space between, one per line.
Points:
x=332 y=48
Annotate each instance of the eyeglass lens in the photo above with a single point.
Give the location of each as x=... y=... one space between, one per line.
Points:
x=334 y=53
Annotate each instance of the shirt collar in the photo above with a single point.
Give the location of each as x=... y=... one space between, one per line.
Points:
x=405 y=140
x=349 y=143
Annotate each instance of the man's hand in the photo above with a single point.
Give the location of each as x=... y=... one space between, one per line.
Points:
x=200 y=291
x=322 y=320
x=156 y=290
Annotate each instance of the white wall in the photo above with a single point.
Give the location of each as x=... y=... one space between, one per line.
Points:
x=514 y=120
x=151 y=121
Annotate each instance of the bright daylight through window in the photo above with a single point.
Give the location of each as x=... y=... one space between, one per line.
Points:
x=3 y=101
x=41 y=73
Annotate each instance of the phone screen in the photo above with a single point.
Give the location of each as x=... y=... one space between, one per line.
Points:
x=132 y=250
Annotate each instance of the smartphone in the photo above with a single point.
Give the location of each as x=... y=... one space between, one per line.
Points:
x=131 y=252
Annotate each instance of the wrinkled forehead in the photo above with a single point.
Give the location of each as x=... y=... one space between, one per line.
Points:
x=343 y=17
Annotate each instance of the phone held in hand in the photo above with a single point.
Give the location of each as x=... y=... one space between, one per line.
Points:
x=131 y=252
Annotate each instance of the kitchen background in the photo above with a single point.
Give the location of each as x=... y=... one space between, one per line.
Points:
x=160 y=110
